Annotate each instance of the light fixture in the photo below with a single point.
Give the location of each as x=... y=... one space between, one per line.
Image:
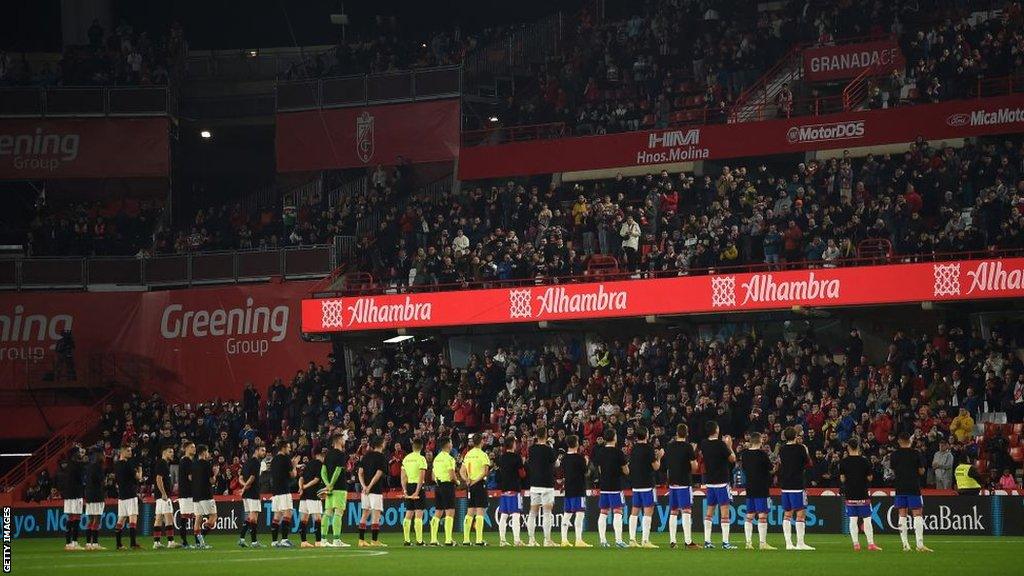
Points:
x=252 y=53
x=205 y=134
x=398 y=339
x=493 y=118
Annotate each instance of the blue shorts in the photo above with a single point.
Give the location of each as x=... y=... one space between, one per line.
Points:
x=911 y=502
x=610 y=500
x=757 y=505
x=575 y=504
x=510 y=504
x=717 y=495
x=794 y=500
x=680 y=498
x=643 y=498
x=858 y=509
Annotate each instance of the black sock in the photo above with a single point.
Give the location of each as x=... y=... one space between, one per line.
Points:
x=74 y=531
x=302 y=530
x=158 y=532
x=274 y=528
x=252 y=529
x=183 y=531
x=362 y=531
x=375 y=530
x=131 y=534
x=118 y=530
x=67 y=533
x=245 y=528
x=316 y=530
x=286 y=529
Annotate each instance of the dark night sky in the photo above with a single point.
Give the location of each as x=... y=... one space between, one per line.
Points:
x=34 y=25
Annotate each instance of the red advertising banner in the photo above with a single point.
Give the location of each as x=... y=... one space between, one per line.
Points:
x=84 y=148
x=848 y=60
x=202 y=343
x=954 y=119
x=900 y=283
x=367 y=136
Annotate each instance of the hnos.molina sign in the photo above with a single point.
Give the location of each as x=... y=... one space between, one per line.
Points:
x=892 y=284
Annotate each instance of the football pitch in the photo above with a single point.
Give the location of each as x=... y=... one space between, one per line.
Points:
x=834 y=556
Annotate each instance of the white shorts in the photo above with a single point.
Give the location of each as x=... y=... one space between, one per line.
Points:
x=205 y=507
x=542 y=496
x=281 y=503
x=127 y=507
x=311 y=507
x=94 y=508
x=185 y=506
x=251 y=505
x=73 y=506
x=372 y=501
x=164 y=506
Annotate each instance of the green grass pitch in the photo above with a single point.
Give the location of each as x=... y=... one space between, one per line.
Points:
x=834 y=556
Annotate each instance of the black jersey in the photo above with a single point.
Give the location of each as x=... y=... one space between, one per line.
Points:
x=73 y=481
x=509 y=466
x=252 y=468
x=335 y=460
x=758 y=470
x=574 y=468
x=540 y=465
x=185 y=477
x=281 y=474
x=855 y=471
x=905 y=463
x=717 y=467
x=371 y=463
x=793 y=461
x=94 y=482
x=311 y=471
x=641 y=469
x=202 y=473
x=162 y=470
x=127 y=484
x=679 y=459
x=609 y=461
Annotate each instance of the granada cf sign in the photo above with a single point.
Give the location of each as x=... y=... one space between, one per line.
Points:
x=855 y=286
x=849 y=60
x=84 y=148
x=367 y=136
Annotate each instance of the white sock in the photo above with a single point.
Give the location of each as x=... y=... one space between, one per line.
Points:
x=632 y=527
x=578 y=525
x=762 y=532
x=787 y=532
x=517 y=525
x=801 y=527
x=707 y=530
x=725 y=530
x=549 y=521
x=853 y=531
x=531 y=525
x=869 y=531
x=919 y=530
x=647 y=528
x=502 y=526
x=602 y=528
x=687 y=528
x=748 y=530
x=617 y=525
x=672 y=528
x=904 y=526
x=565 y=526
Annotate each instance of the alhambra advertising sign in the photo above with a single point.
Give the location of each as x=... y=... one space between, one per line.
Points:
x=893 y=284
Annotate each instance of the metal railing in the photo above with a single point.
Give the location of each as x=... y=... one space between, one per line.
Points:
x=250 y=63
x=32 y=102
x=340 y=92
x=176 y=270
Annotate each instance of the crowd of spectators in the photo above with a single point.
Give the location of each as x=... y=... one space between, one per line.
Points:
x=930 y=199
x=119 y=227
x=936 y=386
x=122 y=56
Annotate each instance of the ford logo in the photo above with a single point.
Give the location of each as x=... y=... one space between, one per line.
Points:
x=958 y=119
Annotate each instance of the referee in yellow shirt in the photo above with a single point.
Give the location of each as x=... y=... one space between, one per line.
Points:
x=446 y=474
x=414 y=472
x=475 y=466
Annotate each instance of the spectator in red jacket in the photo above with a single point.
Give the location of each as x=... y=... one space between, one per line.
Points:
x=881 y=426
x=914 y=200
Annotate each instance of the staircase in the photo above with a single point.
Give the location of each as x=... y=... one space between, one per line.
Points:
x=757 y=102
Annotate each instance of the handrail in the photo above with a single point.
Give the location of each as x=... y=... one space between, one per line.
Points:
x=856 y=91
x=760 y=267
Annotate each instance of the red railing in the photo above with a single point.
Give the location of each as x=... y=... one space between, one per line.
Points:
x=506 y=134
x=874 y=258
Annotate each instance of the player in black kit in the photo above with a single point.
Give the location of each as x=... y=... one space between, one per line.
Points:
x=793 y=462
x=163 y=519
x=94 y=499
x=611 y=467
x=128 y=474
x=644 y=461
x=681 y=461
x=250 y=492
x=718 y=461
x=540 y=464
x=282 y=471
x=855 y=476
x=574 y=472
x=186 y=509
x=202 y=496
x=510 y=483
x=71 y=492
x=757 y=467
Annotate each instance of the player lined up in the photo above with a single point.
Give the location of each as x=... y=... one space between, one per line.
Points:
x=320 y=490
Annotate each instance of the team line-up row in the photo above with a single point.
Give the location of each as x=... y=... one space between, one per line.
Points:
x=323 y=497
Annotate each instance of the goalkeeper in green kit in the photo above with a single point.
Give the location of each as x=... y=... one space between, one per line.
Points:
x=335 y=498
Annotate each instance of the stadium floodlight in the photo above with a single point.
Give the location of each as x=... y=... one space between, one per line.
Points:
x=493 y=118
x=398 y=339
x=206 y=134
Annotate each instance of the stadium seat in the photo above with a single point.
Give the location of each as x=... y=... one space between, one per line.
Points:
x=1017 y=454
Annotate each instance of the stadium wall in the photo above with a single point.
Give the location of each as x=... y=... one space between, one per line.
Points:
x=998 y=514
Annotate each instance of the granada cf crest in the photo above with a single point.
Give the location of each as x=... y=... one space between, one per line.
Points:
x=364 y=137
